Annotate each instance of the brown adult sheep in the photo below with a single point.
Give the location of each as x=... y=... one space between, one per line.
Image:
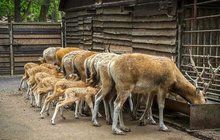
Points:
x=49 y=55
x=78 y=63
x=62 y=52
x=148 y=75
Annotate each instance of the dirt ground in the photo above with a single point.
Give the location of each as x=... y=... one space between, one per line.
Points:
x=20 y=121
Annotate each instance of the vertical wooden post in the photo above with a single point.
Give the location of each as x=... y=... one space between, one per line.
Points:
x=61 y=34
x=179 y=13
x=179 y=46
x=11 y=48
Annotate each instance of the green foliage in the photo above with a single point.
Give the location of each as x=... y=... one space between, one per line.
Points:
x=31 y=14
x=6 y=8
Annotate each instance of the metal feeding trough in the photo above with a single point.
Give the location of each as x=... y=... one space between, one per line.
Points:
x=205 y=116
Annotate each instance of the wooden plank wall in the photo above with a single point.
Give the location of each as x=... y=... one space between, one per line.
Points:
x=79 y=28
x=28 y=42
x=4 y=49
x=112 y=28
x=127 y=29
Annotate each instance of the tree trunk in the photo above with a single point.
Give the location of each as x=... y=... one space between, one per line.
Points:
x=44 y=10
x=27 y=11
x=17 y=10
x=55 y=12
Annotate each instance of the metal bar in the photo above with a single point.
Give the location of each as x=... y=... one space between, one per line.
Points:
x=200 y=31
x=201 y=56
x=201 y=3
x=203 y=17
x=213 y=99
x=200 y=45
x=11 y=48
x=195 y=11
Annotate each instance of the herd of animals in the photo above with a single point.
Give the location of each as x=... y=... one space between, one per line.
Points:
x=86 y=78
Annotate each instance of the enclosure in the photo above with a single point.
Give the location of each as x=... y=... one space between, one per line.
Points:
x=167 y=28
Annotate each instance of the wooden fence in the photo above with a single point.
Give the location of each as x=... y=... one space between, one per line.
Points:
x=201 y=34
x=140 y=28
x=164 y=28
x=24 y=42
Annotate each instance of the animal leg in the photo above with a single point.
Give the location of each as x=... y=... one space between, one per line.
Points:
x=131 y=103
x=21 y=82
x=148 y=105
x=161 y=102
x=118 y=104
x=47 y=100
x=107 y=115
x=28 y=92
x=99 y=98
x=59 y=105
x=77 y=109
x=90 y=103
x=121 y=123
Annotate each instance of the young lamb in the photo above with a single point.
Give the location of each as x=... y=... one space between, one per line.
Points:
x=76 y=94
x=59 y=90
x=27 y=66
x=45 y=86
x=33 y=71
x=38 y=77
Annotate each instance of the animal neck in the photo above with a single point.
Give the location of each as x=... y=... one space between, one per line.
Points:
x=184 y=88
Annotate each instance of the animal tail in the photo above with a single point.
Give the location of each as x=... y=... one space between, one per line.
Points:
x=86 y=69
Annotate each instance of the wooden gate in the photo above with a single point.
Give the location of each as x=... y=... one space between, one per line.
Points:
x=201 y=34
x=24 y=42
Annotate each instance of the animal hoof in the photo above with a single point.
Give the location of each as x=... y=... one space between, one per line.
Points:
x=48 y=114
x=76 y=117
x=108 y=122
x=118 y=132
x=100 y=115
x=141 y=123
x=125 y=129
x=64 y=117
x=164 y=128
x=82 y=115
x=52 y=122
x=151 y=121
x=42 y=117
x=96 y=124
x=134 y=117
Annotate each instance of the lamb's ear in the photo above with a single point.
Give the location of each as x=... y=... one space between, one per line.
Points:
x=41 y=59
